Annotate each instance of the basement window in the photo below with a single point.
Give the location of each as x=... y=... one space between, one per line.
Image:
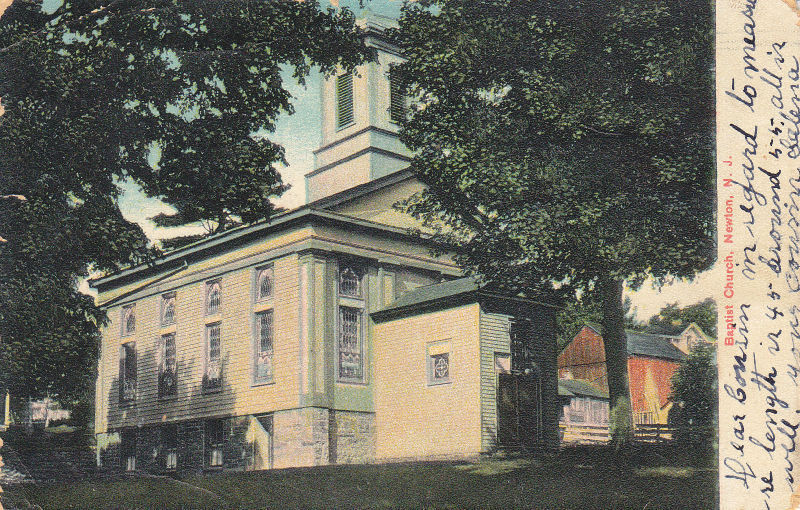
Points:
x=215 y=438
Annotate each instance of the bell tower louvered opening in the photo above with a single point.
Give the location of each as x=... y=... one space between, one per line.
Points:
x=344 y=101
x=397 y=101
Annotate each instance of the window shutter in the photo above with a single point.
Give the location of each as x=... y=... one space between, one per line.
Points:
x=344 y=100
x=130 y=365
x=121 y=372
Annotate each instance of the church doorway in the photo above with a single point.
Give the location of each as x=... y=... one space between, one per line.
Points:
x=518 y=410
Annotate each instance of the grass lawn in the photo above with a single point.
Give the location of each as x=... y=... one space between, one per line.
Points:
x=575 y=478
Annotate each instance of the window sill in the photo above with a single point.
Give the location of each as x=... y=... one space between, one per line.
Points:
x=439 y=383
x=166 y=329
x=263 y=305
x=211 y=391
x=351 y=301
x=256 y=384
x=167 y=398
x=352 y=382
x=342 y=128
x=213 y=317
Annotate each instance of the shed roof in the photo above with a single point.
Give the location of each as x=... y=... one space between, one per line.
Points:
x=580 y=387
x=655 y=346
x=648 y=344
x=434 y=292
x=435 y=295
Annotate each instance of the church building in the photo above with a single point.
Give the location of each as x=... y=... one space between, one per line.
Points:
x=327 y=334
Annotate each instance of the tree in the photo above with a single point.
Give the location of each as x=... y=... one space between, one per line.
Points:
x=577 y=313
x=181 y=97
x=695 y=398
x=566 y=142
x=672 y=319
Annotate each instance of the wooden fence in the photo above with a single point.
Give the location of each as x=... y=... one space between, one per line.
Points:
x=584 y=434
x=645 y=433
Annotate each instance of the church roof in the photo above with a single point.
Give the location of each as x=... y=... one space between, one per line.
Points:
x=430 y=295
x=361 y=190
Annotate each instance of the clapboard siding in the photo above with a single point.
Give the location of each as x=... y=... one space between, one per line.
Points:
x=495 y=338
x=494 y=333
x=238 y=395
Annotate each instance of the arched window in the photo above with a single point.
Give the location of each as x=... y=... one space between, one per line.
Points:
x=128 y=320
x=168 y=309
x=349 y=282
x=264 y=286
x=212 y=297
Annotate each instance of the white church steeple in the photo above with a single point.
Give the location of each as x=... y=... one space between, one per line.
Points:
x=359 y=135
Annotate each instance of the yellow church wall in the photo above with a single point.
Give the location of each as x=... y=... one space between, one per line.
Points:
x=412 y=417
x=236 y=269
x=238 y=394
x=378 y=206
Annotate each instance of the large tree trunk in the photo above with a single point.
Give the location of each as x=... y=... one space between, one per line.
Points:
x=613 y=323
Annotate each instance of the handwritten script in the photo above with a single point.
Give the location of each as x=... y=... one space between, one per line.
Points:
x=759 y=250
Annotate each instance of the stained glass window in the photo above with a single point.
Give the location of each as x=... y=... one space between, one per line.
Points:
x=351 y=360
x=167 y=377
x=128 y=320
x=264 y=286
x=263 y=347
x=349 y=282
x=438 y=362
x=127 y=372
x=213 y=376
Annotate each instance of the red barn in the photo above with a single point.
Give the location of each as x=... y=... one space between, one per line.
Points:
x=652 y=359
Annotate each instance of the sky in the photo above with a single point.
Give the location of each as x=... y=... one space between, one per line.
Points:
x=300 y=134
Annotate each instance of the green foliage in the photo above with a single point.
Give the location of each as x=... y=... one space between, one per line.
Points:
x=564 y=142
x=587 y=310
x=563 y=160
x=620 y=425
x=179 y=96
x=672 y=319
x=695 y=397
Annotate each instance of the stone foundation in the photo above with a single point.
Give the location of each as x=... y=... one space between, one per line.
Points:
x=301 y=437
x=310 y=436
x=352 y=437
